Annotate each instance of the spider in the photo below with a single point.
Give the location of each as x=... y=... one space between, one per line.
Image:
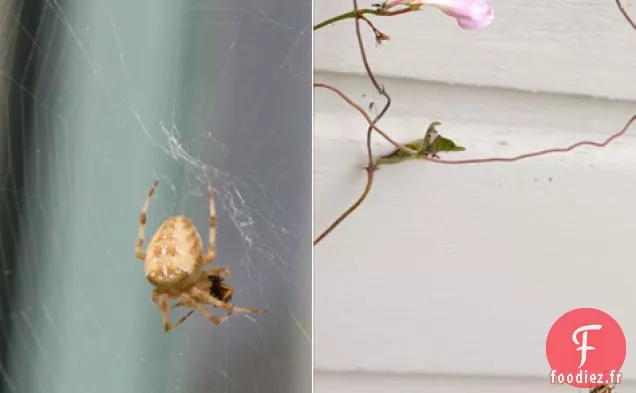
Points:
x=174 y=266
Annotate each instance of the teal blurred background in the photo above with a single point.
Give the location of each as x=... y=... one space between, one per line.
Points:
x=100 y=98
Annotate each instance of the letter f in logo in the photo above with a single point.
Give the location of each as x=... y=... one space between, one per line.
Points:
x=584 y=347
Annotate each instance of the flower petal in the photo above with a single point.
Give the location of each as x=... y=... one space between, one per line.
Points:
x=470 y=14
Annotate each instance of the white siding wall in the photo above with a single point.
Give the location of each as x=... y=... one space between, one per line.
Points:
x=448 y=278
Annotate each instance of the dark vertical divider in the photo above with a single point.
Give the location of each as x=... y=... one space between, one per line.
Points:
x=15 y=134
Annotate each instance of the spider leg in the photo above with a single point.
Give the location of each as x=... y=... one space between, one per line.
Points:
x=183 y=318
x=209 y=258
x=139 y=253
x=206 y=298
x=187 y=299
x=162 y=303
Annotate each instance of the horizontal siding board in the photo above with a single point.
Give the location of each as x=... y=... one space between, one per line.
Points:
x=329 y=382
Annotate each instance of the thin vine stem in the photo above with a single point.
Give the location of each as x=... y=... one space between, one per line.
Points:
x=356 y=13
x=350 y=210
x=371 y=167
x=628 y=18
x=346 y=15
x=539 y=153
x=366 y=117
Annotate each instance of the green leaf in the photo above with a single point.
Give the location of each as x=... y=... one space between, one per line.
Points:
x=445 y=144
x=430 y=145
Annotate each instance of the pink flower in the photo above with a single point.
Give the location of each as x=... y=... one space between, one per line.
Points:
x=470 y=14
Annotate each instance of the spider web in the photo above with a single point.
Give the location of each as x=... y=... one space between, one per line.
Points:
x=100 y=98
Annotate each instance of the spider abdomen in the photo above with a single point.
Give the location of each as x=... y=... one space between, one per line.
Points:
x=175 y=255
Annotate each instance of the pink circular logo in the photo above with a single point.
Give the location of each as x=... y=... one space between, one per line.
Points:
x=585 y=348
